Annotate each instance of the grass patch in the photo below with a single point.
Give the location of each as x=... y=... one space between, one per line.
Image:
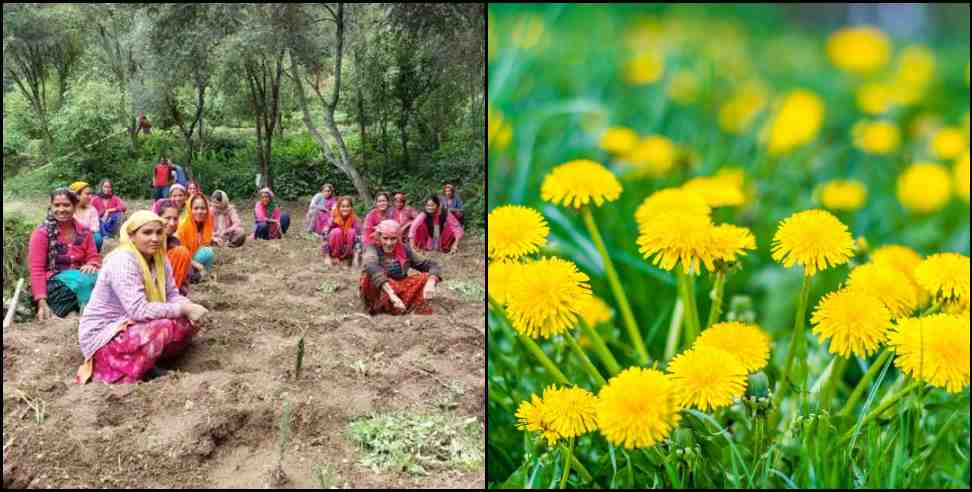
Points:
x=418 y=444
x=470 y=291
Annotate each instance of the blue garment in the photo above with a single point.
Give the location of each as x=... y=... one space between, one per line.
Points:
x=99 y=239
x=110 y=226
x=181 y=177
x=206 y=256
x=82 y=284
x=263 y=229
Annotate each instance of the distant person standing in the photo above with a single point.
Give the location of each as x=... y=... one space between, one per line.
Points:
x=144 y=125
x=163 y=171
x=179 y=175
x=451 y=202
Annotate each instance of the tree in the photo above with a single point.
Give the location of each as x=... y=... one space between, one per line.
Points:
x=40 y=45
x=307 y=67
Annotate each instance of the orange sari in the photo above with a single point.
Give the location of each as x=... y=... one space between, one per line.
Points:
x=188 y=232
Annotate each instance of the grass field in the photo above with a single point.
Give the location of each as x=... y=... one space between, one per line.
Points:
x=780 y=117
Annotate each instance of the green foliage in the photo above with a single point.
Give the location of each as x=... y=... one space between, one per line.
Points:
x=16 y=236
x=418 y=444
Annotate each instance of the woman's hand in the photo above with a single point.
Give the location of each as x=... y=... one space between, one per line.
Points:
x=198 y=266
x=455 y=247
x=193 y=311
x=429 y=291
x=43 y=310
x=397 y=302
x=88 y=269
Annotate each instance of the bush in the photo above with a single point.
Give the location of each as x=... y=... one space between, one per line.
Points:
x=16 y=235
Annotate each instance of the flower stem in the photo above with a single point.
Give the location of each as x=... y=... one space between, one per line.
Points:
x=601 y=348
x=685 y=290
x=716 y=310
x=531 y=346
x=612 y=275
x=798 y=347
x=836 y=373
x=584 y=474
x=865 y=382
x=585 y=361
x=674 y=330
x=568 y=458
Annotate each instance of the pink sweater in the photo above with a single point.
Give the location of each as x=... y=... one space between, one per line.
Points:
x=88 y=217
x=227 y=223
x=114 y=202
x=80 y=252
x=118 y=296
x=371 y=223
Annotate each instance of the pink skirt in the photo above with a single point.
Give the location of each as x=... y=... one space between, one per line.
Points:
x=135 y=351
x=449 y=235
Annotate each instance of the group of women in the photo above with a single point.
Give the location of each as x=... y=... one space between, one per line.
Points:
x=134 y=306
x=344 y=236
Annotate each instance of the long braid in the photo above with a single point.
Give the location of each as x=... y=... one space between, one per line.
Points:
x=50 y=223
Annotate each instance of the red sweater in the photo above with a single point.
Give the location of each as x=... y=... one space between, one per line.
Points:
x=80 y=252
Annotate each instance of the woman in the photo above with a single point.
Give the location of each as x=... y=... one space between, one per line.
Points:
x=178 y=196
x=379 y=213
x=402 y=213
x=271 y=222
x=386 y=286
x=319 y=211
x=136 y=316
x=178 y=255
x=196 y=233
x=111 y=209
x=86 y=214
x=343 y=239
x=227 y=227
x=63 y=259
x=452 y=202
x=435 y=229
x=193 y=188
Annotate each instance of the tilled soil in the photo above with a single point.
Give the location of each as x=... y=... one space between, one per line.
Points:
x=212 y=421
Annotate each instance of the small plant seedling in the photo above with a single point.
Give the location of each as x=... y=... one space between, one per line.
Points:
x=326 y=476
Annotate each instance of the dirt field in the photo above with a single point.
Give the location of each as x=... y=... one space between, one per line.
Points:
x=212 y=421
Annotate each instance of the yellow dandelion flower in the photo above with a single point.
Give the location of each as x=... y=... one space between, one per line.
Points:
x=596 y=311
x=545 y=300
x=730 y=241
x=646 y=68
x=924 y=187
x=723 y=190
x=619 y=141
x=916 y=70
x=527 y=32
x=684 y=87
x=814 y=239
x=514 y=231
x=796 y=123
x=845 y=195
x=888 y=285
x=905 y=260
x=652 y=156
x=678 y=238
x=570 y=412
x=500 y=133
x=577 y=183
x=875 y=98
x=878 y=138
x=745 y=341
x=945 y=275
x=949 y=143
x=933 y=349
x=671 y=200
x=860 y=49
x=707 y=378
x=736 y=115
x=532 y=417
x=499 y=278
x=637 y=408
x=854 y=322
x=961 y=174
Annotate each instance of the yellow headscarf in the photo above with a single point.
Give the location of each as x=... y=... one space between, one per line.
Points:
x=154 y=292
x=77 y=186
